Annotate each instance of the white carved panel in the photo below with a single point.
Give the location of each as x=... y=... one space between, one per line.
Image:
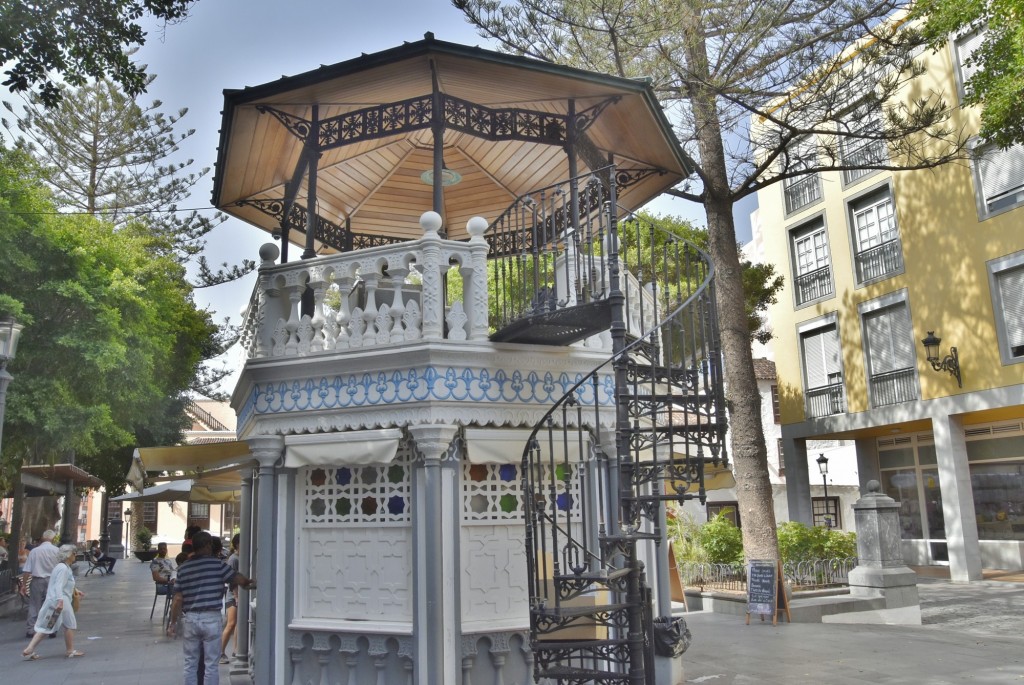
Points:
x=357 y=573
x=494 y=585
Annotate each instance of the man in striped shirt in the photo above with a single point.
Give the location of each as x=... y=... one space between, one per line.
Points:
x=198 y=595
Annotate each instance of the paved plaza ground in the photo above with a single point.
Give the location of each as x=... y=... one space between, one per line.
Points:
x=972 y=634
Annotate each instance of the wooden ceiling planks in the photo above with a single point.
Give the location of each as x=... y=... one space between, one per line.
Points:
x=377 y=181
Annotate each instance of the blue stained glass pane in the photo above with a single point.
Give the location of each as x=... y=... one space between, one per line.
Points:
x=343 y=476
x=396 y=505
x=507 y=472
x=564 y=501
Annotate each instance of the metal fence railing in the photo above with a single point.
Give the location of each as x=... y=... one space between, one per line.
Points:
x=803 y=576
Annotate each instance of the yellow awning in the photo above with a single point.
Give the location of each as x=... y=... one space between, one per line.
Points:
x=193 y=458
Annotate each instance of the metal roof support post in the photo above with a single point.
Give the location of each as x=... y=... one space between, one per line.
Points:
x=437 y=128
x=312 y=154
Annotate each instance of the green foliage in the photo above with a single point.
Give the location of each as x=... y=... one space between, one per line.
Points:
x=800 y=542
x=722 y=540
x=112 y=336
x=76 y=40
x=131 y=178
x=684 y=532
x=998 y=84
x=144 y=537
x=761 y=285
x=717 y=541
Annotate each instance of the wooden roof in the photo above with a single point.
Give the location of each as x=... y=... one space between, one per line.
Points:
x=371 y=177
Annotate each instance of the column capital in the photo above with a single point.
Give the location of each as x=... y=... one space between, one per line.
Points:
x=433 y=440
x=266 y=449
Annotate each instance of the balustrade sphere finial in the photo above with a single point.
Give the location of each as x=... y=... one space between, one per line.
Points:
x=430 y=222
x=269 y=252
x=476 y=226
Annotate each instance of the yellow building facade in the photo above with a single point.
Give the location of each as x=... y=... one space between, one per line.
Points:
x=875 y=262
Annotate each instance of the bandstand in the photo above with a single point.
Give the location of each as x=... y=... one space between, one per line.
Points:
x=471 y=390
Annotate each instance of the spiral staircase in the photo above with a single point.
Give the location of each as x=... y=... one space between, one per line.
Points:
x=571 y=268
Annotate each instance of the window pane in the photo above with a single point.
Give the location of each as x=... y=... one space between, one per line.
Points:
x=933 y=504
x=902 y=487
x=1011 y=298
x=999 y=500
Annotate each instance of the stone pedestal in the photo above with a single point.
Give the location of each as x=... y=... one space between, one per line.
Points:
x=881 y=571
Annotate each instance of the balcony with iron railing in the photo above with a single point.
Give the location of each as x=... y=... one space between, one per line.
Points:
x=813 y=285
x=826 y=400
x=863 y=153
x=893 y=387
x=880 y=261
x=801 y=191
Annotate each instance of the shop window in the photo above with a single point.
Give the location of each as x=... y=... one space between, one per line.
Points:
x=999 y=500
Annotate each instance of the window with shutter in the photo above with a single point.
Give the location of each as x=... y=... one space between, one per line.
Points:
x=891 y=357
x=823 y=372
x=1011 y=300
x=965 y=46
x=1000 y=176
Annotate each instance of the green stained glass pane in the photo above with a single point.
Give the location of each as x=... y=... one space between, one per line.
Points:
x=343 y=506
x=396 y=474
x=563 y=472
x=508 y=503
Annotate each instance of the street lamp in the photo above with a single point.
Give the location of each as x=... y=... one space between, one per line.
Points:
x=10 y=333
x=823 y=467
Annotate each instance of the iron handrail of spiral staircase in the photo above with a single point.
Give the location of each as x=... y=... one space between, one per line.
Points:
x=542 y=509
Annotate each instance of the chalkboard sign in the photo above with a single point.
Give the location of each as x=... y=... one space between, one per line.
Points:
x=766 y=592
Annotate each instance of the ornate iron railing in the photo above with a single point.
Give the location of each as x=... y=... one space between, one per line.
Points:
x=802 y=191
x=653 y=414
x=803 y=576
x=813 y=285
x=826 y=400
x=881 y=260
x=893 y=387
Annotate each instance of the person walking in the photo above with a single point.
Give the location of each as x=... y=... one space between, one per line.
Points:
x=198 y=594
x=39 y=564
x=57 y=610
x=230 y=605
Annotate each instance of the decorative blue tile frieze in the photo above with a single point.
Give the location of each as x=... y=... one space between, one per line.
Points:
x=417 y=385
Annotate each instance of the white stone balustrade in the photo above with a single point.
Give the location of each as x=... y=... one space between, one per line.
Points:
x=377 y=302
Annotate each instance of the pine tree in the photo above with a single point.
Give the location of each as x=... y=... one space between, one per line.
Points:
x=808 y=73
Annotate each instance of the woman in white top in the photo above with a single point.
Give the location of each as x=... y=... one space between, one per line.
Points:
x=59 y=596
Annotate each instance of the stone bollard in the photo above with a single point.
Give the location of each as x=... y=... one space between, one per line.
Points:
x=880 y=571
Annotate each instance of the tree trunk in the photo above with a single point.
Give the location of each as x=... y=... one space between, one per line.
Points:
x=749 y=452
x=17 y=518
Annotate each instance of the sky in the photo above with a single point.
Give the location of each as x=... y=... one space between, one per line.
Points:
x=230 y=44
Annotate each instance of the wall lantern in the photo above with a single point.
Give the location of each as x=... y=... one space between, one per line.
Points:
x=950 y=363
